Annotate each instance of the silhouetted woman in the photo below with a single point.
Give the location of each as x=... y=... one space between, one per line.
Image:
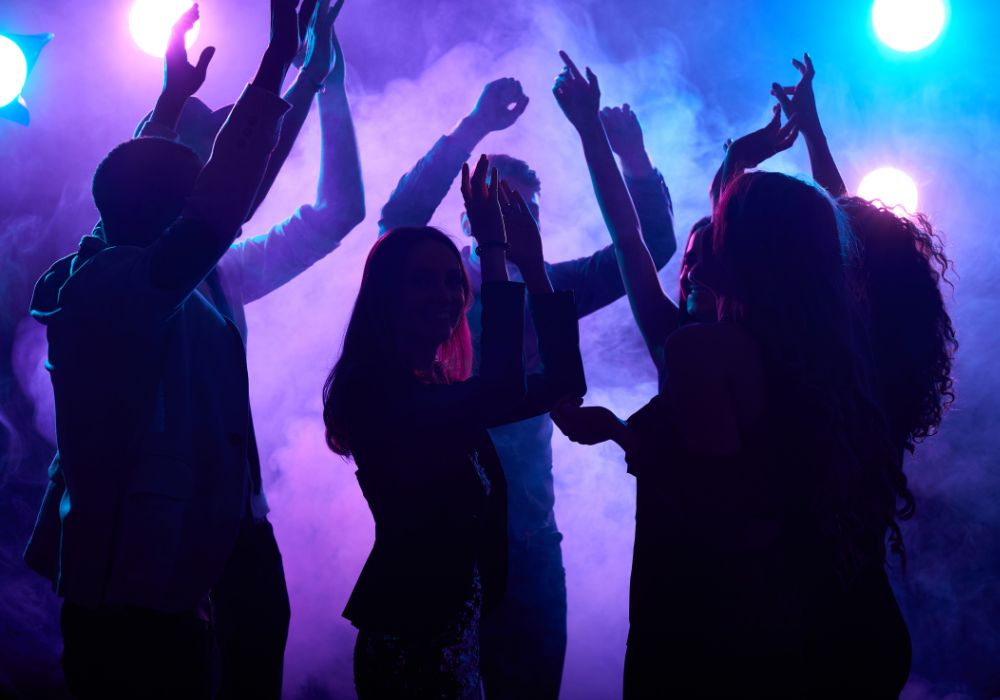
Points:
x=401 y=402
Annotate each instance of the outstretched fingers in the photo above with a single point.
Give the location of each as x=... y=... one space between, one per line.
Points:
x=782 y=97
x=203 y=60
x=574 y=72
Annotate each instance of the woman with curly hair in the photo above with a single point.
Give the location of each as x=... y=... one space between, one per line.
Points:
x=767 y=477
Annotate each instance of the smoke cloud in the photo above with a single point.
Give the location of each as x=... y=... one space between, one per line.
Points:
x=695 y=76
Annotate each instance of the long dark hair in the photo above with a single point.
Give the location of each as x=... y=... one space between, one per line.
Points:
x=897 y=271
x=778 y=241
x=369 y=352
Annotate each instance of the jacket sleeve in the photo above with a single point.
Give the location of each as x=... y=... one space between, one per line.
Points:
x=265 y=262
x=561 y=375
x=420 y=191
x=595 y=280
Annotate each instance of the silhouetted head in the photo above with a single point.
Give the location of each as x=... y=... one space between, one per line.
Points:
x=408 y=320
x=897 y=270
x=520 y=177
x=140 y=188
x=777 y=268
x=697 y=301
x=197 y=126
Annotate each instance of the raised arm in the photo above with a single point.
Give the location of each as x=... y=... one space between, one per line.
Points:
x=800 y=101
x=265 y=262
x=579 y=98
x=595 y=280
x=315 y=58
x=225 y=189
x=421 y=190
x=754 y=148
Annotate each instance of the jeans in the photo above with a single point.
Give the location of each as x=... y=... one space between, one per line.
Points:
x=524 y=640
x=252 y=615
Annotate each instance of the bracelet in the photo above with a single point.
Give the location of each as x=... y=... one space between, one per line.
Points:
x=491 y=244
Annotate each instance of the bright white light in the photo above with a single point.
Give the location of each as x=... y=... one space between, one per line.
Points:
x=891 y=187
x=13 y=71
x=150 y=22
x=908 y=25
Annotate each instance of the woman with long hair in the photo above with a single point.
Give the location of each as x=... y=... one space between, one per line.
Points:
x=767 y=482
x=401 y=402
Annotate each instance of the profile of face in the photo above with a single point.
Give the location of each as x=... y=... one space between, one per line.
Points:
x=696 y=293
x=433 y=300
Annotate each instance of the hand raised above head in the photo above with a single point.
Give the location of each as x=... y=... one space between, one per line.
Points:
x=289 y=29
x=800 y=100
x=500 y=104
x=754 y=148
x=523 y=235
x=316 y=55
x=180 y=78
x=482 y=204
x=579 y=97
x=623 y=130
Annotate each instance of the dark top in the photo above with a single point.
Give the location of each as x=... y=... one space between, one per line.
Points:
x=425 y=459
x=734 y=590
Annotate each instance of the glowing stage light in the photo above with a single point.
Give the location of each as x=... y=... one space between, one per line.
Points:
x=13 y=71
x=18 y=54
x=150 y=21
x=908 y=25
x=891 y=187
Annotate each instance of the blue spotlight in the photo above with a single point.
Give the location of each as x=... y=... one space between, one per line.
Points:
x=18 y=53
x=908 y=25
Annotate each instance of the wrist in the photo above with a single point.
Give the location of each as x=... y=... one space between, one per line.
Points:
x=469 y=132
x=637 y=165
x=168 y=108
x=589 y=126
x=536 y=278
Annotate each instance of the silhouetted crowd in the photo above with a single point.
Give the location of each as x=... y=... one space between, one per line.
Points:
x=809 y=350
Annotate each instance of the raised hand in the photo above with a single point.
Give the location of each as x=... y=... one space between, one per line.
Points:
x=290 y=29
x=180 y=78
x=799 y=100
x=316 y=55
x=579 y=97
x=625 y=136
x=500 y=104
x=586 y=425
x=751 y=150
x=523 y=236
x=623 y=130
x=482 y=204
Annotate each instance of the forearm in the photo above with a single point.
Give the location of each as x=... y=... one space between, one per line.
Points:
x=341 y=189
x=655 y=210
x=300 y=97
x=167 y=111
x=650 y=305
x=824 y=168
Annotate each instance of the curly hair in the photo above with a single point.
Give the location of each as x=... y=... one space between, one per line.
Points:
x=897 y=272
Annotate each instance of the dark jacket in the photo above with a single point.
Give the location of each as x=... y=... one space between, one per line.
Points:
x=153 y=426
x=431 y=476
